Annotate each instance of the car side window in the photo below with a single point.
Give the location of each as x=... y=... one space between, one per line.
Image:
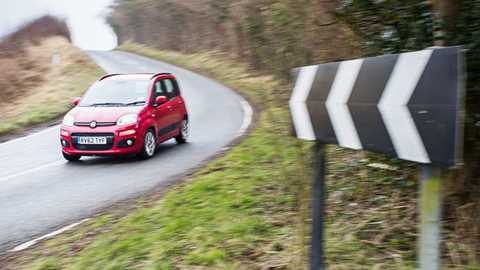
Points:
x=170 y=88
x=158 y=89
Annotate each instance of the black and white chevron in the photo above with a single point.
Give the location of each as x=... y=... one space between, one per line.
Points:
x=407 y=105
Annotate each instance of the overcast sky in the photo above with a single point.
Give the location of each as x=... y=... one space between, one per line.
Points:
x=86 y=19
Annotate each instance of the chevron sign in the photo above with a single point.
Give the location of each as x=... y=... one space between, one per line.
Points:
x=407 y=105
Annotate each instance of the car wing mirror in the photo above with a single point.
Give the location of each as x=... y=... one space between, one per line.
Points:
x=76 y=101
x=160 y=100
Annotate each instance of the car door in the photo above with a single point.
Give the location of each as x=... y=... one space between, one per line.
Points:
x=162 y=112
x=175 y=103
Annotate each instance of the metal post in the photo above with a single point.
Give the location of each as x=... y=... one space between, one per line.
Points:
x=317 y=261
x=430 y=215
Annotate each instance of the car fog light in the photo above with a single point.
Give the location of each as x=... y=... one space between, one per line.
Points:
x=127 y=132
x=129 y=142
x=64 y=143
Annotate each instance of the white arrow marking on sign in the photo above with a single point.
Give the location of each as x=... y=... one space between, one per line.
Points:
x=337 y=108
x=393 y=106
x=298 y=106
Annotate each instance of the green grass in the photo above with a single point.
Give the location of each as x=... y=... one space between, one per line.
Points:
x=242 y=211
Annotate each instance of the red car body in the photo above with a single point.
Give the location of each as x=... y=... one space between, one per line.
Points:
x=163 y=114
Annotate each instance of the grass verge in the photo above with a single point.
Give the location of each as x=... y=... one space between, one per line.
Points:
x=242 y=211
x=68 y=72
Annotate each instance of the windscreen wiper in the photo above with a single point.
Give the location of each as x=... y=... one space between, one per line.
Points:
x=135 y=103
x=107 y=104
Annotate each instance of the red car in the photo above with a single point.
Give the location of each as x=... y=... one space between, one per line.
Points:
x=125 y=114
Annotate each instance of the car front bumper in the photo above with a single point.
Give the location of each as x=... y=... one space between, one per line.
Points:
x=117 y=142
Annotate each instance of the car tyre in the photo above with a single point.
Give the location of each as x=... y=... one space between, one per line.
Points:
x=71 y=158
x=184 y=132
x=149 y=145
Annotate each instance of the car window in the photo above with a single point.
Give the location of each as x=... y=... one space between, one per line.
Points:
x=159 y=89
x=169 y=88
x=116 y=92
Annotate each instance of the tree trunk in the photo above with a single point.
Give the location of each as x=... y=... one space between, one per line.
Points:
x=446 y=12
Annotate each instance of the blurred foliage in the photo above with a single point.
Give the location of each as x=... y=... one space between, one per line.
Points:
x=272 y=36
x=467 y=32
x=400 y=26
x=220 y=10
x=391 y=26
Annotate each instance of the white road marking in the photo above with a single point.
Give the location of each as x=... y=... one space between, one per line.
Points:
x=336 y=104
x=247 y=117
x=32 y=170
x=393 y=106
x=50 y=235
x=298 y=106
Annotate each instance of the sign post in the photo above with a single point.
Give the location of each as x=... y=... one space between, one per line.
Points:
x=430 y=208
x=318 y=208
x=408 y=106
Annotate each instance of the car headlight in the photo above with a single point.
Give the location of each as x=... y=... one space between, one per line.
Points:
x=127 y=119
x=68 y=120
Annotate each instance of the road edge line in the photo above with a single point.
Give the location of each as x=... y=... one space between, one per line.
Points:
x=30 y=243
x=247 y=117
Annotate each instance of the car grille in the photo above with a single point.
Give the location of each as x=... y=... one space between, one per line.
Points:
x=92 y=147
x=99 y=124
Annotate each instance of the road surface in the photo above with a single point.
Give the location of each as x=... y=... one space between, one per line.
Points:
x=40 y=192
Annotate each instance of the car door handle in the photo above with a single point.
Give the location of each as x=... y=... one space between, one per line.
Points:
x=170 y=108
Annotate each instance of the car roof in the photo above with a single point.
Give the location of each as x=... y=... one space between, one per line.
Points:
x=135 y=76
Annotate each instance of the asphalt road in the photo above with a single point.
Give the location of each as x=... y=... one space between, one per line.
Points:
x=40 y=192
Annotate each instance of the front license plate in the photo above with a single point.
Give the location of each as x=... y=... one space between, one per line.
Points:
x=92 y=140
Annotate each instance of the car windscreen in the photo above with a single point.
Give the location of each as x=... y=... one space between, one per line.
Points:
x=116 y=93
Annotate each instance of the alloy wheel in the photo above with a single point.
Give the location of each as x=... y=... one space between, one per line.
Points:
x=149 y=143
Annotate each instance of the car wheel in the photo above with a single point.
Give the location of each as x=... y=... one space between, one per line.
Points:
x=71 y=157
x=149 y=145
x=184 y=132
